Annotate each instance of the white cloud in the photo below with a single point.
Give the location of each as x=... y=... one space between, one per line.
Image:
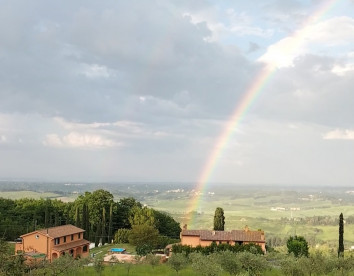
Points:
x=342 y=70
x=93 y=71
x=339 y=134
x=227 y=23
x=78 y=140
x=322 y=37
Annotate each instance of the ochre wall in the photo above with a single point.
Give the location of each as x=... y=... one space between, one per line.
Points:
x=190 y=240
x=30 y=243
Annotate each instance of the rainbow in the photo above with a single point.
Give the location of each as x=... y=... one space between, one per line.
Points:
x=291 y=44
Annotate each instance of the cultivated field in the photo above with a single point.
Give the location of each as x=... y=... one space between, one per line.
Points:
x=280 y=211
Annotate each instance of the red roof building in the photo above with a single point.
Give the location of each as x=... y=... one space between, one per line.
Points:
x=54 y=242
x=206 y=237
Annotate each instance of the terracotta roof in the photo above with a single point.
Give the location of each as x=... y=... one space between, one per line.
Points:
x=69 y=245
x=58 y=231
x=234 y=235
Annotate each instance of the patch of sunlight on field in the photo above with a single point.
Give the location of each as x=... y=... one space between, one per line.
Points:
x=27 y=194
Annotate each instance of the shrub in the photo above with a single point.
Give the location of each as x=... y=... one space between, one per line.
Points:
x=122 y=236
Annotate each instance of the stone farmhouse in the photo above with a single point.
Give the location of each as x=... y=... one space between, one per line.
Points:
x=206 y=237
x=54 y=242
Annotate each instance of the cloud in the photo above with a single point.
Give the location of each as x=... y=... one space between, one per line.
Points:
x=3 y=139
x=95 y=71
x=316 y=38
x=79 y=140
x=339 y=134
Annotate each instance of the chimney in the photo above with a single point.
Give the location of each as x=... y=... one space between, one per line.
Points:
x=185 y=227
x=213 y=233
x=246 y=229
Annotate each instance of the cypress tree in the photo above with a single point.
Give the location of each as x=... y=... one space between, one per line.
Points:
x=110 y=223
x=77 y=217
x=85 y=221
x=46 y=217
x=341 y=237
x=219 y=219
x=103 y=232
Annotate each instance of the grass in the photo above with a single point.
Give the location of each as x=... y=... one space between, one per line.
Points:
x=27 y=194
x=145 y=270
x=254 y=210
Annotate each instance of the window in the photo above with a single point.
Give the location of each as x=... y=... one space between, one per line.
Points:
x=79 y=235
x=85 y=248
x=72 y=237
x=56 y=241
x=64 y=239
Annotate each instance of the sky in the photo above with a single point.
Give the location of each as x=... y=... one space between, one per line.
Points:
x=114 y=91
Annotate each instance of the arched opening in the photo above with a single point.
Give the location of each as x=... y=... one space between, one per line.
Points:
x=54 y=255
x=78 y=252
x=71 y=252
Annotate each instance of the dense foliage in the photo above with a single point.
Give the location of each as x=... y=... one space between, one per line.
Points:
x=219 y=219
x=341 y=236
x=96 y=212
x=213 y=248
x=298 y=246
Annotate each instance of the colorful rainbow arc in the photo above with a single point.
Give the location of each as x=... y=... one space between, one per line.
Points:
x=253 y=91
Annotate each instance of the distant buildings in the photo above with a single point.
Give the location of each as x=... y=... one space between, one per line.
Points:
x=206 y=237
x=54 y=242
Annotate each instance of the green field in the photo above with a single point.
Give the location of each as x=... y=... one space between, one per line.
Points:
x=260 y=207
x=28 y=194
x=257 y=209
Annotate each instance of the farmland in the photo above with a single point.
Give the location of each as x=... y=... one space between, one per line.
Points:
x=280 y=211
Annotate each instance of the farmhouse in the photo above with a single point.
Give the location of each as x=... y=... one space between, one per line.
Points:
x=54 y=242
x=206 y=237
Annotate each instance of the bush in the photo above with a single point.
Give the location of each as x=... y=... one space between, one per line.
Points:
x=143 y=249
x=206 y=250
x=122 y=236
x=298 y=246
x=177 y=261
x=143 y=235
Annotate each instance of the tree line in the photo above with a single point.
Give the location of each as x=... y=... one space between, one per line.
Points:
x=95 y=212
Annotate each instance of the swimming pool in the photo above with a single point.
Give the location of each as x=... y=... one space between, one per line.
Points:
x=117 y=250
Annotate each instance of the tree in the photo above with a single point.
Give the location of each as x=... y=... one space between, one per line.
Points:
x=298 y=246
x=139 y=216
x=143 y=234
x=85 y=221
x=77 y=216
x=110 y=223
x=253 y=264
x=152 y=260
x=166 y=225
x=122 y=236
x=124 y=206
x=98 y=265
x=341 y=236
x=177 y=261
x=103 y=225
x=229 y=262
x=219 y=219
x=143 y=249
x=293 y=266
x=205 y=265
